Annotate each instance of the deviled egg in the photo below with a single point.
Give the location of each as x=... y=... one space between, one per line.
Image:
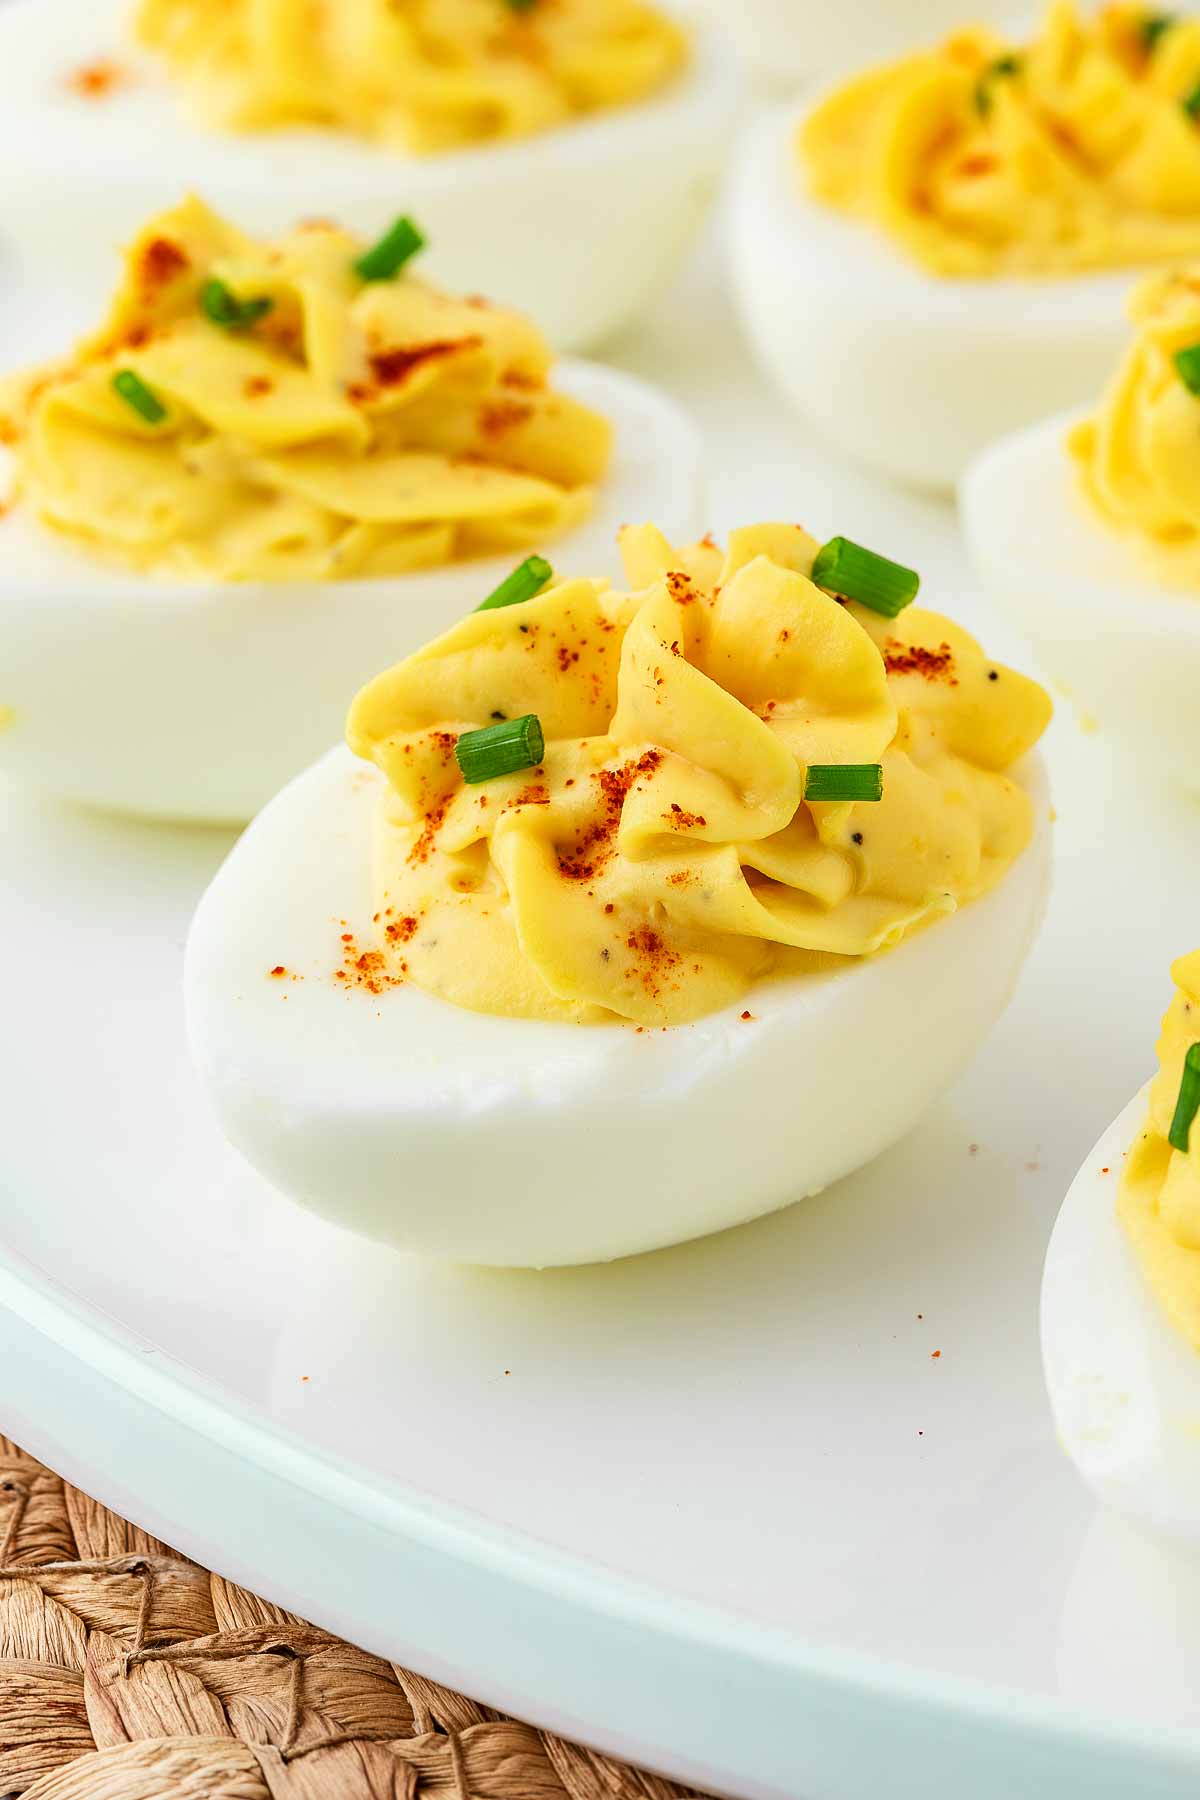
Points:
x=936 y=252
x=559 y=152
x=628 y=916
x=273 y=468
x=1121 y=1293
x=1087 y=531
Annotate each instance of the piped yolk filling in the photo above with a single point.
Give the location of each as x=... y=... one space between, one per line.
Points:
x=261 y=411
x=423 y=75
x=1159 y=1196
x=662 y=857
x=1077 y=150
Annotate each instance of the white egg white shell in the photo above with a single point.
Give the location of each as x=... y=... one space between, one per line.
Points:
x=1124 y=1384
x=523 y=1143
x=1103 y=626
x=782 y=41
x=576 y=226
x=907 y=372
x=198 y=700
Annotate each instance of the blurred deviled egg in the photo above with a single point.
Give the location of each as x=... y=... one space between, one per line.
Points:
x=273 y=468
x=559 y=152
x=936 y=252
x=1087 y=531
x=628 y=916
x=1121 y=1293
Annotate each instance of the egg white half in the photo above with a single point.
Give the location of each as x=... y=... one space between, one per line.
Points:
x=523 y=1143
x=198 y=699
x=576 y=226
x=907 y=372
x=1124 y=1385
x=1122 y=643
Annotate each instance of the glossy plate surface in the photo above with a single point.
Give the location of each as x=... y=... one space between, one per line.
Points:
x=722 y=1508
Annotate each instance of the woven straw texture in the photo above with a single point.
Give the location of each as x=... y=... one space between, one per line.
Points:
x=127 y=1672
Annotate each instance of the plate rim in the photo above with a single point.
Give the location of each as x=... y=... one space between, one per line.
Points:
x=673 y=1631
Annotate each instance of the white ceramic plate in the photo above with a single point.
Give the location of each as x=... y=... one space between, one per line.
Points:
x=720 y=1509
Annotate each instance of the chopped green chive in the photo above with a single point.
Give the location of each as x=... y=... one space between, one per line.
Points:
x=847 y=569
x=1151 y=30
x=525 y=581
x=1188 y=1103
x=136 y=394
x=389 y=255
x=843 y=781
x=998 y=70
x=501 y=749
x=225 y=309
x=1187 y=367
x=1191 y=102
x=520 y=6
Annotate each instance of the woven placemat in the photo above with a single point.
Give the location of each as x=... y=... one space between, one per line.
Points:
x=127 y=1672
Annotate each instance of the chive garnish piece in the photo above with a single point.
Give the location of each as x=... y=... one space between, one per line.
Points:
x=847 y=569
x=1152 y=28
x=843 y=781
x=1191 y=102
x=1188 y=1103
x=1002 y=67
x=134 y=392
x=386 y=258
x=224 y=308
x=520 y=6
x=528 y=579
x=501 y=749
x=1187 y=367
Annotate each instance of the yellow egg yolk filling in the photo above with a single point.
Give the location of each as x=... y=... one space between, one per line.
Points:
x=344 y=427
x=1138 y=457
x=1079 y=150
x=425 y=75
x=662 y=856
x=1159 y=1198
